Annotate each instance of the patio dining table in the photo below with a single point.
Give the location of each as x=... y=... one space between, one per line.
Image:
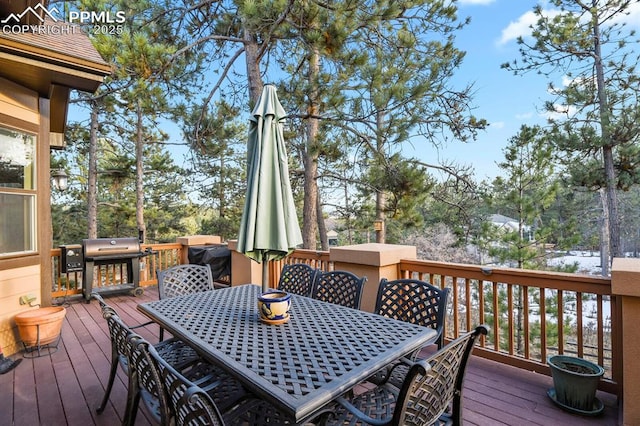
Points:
x=323 y=351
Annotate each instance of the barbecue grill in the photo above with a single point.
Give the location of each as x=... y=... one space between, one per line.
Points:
x=111 y=252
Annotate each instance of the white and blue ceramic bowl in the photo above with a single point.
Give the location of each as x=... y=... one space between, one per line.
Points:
x=274 y=305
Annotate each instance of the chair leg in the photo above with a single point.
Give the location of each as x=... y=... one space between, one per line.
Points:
x=133 y=398
x=112 y=376
x=161 y=334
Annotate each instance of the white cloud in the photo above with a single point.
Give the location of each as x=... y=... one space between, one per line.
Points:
x=632 y=19
x=497 y=125
x=476 y=2
x=522 y=26
x=519 y=28
x=561 y=112
x=580 y=82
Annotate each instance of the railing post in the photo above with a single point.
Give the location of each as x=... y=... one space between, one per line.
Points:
x=243 y=269
x=195 y=240
x=373 y=260
x=625 y=284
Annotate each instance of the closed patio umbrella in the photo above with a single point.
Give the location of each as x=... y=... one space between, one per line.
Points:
x=269 y=228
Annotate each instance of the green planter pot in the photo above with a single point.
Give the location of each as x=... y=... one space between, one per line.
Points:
x=575 y=382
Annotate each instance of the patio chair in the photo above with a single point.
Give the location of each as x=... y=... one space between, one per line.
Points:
x=173 y=351
x=297 y=278
x=431 y=392
x=339 y=287
x=224 y=390
x=187 y=402
x=413 y=301
x=184 y=279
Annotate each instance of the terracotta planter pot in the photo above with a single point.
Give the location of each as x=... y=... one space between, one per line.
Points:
x=45 y=323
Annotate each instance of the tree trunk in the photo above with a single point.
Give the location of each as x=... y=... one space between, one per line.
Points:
x=381 y=233
x=92 y=183
x=221 y=198
x=347 y=208
x=309 y=210
x=253 y=67
x=140 y=174
x=322 y=228
x=604 y=234
x=607 y=154
x=381 y=198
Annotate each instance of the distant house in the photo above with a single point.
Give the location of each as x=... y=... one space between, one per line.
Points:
x=332 y=237
x=504 y=222
x=41 y=61
x=508 y=224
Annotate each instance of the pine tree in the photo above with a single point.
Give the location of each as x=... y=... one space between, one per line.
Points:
x=587 y=42
x=527 y=189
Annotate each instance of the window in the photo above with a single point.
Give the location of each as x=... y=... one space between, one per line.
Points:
x=17 y=192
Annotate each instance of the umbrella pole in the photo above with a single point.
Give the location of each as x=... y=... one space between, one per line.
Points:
x=265 y=275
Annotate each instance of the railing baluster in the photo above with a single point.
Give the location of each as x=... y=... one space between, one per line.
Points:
x=496 y=316
x=579 y=324
x=510 y=324
x=525 y=310
x=560 y=318
x=543 y=325
x=600 y=331
x=467 y=295
x=481 y=318
x=456 y=300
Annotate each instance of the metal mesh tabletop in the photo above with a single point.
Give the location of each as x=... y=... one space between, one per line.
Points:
x=320 y=353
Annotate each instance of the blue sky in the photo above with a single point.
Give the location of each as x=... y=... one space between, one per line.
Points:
x=504 y=100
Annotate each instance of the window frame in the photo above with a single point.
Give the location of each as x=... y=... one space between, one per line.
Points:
x=30 y=194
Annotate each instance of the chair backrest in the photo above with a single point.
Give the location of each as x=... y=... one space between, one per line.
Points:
x=184 y=279
x=413 y=301
x=434 y=385
x=188 y=403
x=297 y=278
x=339 y=287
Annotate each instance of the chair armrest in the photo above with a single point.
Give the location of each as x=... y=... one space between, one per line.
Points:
x=206 y=385
x=360 y=415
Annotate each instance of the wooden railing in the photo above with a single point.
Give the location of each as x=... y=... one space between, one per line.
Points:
x=162 y=256
x=526 y=330
x=315 y=259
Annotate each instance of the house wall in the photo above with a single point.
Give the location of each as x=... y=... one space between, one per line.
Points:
x=14 y=283
x=27 y=274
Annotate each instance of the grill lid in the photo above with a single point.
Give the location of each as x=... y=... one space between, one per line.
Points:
x=110 y=247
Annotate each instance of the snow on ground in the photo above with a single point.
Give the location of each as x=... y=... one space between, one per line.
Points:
x=588 y=262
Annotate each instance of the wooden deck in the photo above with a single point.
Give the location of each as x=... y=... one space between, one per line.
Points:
x=65 y=387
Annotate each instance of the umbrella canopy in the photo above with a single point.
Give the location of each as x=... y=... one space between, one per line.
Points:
x=269 y=228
